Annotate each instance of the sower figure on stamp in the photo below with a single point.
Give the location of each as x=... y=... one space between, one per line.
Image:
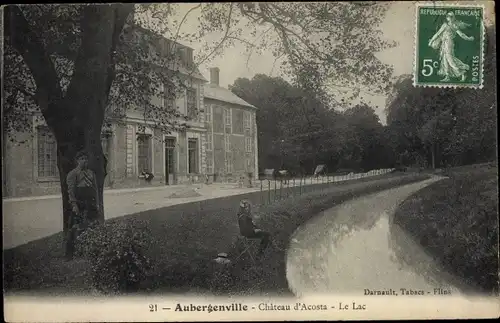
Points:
x=444 y=40
x=248 y=228
x=84 y=200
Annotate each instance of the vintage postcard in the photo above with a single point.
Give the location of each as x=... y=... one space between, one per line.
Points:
x=261 y=161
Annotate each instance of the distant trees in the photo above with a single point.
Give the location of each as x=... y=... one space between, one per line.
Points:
x=298 y=131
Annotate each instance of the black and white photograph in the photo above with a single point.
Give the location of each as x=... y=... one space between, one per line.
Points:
x=249 y=161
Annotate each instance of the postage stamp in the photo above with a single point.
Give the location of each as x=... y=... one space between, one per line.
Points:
x=449 y=45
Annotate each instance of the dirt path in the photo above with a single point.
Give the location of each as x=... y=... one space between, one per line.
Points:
x=354 y=247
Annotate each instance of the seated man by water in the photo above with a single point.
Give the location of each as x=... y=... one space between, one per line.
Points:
x=248 y=228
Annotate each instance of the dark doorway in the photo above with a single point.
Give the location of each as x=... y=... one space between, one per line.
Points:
x=169 y=161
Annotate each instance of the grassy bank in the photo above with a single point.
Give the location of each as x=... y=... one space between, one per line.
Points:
x=182 y=239
x=456 y=220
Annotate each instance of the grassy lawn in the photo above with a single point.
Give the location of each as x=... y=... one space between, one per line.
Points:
x=456 y=220
x=182 y=239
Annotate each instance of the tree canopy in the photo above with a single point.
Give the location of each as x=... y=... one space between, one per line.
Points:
x=297 y=131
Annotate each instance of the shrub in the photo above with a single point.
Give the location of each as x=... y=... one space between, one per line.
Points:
x=115 y=252
x=222 y=279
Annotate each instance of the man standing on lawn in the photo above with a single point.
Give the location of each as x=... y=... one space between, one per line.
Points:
x=84 y=200
x=248 y=228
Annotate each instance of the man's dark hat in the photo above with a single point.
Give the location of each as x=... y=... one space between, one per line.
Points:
x=81 y=153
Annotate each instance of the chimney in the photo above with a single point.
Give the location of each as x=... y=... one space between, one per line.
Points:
x=214 y=75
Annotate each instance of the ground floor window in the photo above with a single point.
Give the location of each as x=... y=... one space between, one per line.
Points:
x=249 y=164
x=144 y=155
x=209 y=142
x=169 y=155
x=208 y=113
x=47 y=153
x=193 y=156
x=229 y=162
x=210 y=165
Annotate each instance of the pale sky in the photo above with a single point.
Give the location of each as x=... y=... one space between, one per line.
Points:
x=399 y=25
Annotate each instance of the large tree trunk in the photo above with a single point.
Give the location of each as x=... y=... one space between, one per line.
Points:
x=76 y=118
x=87 y=94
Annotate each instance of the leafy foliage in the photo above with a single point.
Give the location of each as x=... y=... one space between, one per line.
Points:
x=146 y=68
x=116 y=255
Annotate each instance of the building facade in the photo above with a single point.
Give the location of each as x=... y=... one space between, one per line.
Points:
x=220 y=145
x=231 y=137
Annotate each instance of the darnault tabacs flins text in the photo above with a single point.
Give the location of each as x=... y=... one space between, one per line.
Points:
x=406 y=292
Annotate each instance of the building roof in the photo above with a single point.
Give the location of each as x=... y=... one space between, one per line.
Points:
x=216 y=92
x=161 y=47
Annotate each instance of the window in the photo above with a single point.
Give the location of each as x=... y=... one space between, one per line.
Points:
x=227 y=117
x=193 y=156
x=185 y=55
x=227 y=143
x=229 y=162
x=210 y=165
x=170 y=143
x=208 y=113
x=181 y=54
x=168 y=99
x=246 y=120
x=209 y=143
x=238 y=117
x=251 y=118
x=189 y=57
x=144 y=158
x=47 y=153
x=217 y=119
x=248 y=144
x=191 y=103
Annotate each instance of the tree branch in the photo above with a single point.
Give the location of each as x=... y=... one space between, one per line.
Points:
x=26 y=42
x=255 y=41
x=221 y=42
x=274 y=63
x=180 y=24
x=241 y=40
x=278 y=23
x=228 y=27
x=121 y=14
